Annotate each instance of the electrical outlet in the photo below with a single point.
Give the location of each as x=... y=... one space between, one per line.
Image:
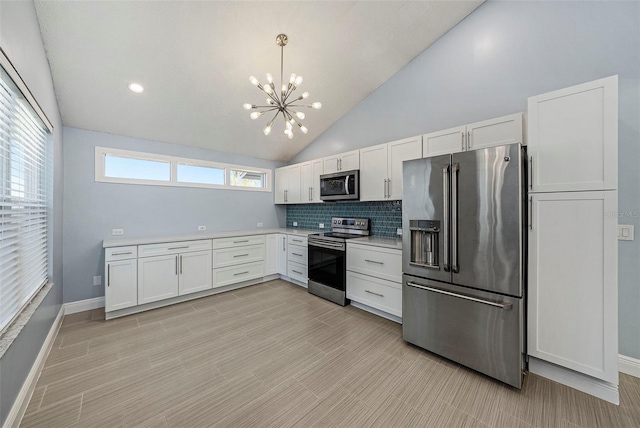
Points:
x=97 y=280
x=202 y=227
x=260 y=224
x=116 y=232
x=321 y=225
x=625 y=232
x=399 y=231
x=295 y=224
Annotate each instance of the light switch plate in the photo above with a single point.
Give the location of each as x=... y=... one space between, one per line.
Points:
x=202 y=227
x=97 y=280
x=116 y=232
x=295 y=224
x=625 y=232
x=399 y=231
x=321 y=225
x=260 y=224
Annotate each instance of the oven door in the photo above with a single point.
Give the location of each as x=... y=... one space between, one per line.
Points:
x=327 y=264
x=340 y=186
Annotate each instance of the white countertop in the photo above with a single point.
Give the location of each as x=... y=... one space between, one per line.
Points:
x=376 y=241
x=121 y=242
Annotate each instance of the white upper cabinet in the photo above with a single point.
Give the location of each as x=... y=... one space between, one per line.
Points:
x=488 y=133
x=573 y=138
x=310 y=177
x=495 y=132
x=287 y=184
x=572 y=297
x=373 y=173
x=280 y=185
x=400 y=151
x=444 y=142
x=381 y=168
x=342 y=162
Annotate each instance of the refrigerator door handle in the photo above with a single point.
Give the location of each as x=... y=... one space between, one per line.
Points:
x=454 y=218
x=445 y=228
x=505 y=306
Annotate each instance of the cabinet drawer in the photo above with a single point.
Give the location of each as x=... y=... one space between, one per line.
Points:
x=238 y=241
x=173 y=248
x=297 y=254
x=297 y=271
x=375 y=261
x=120 y=253
x=234 y=256
x=375 y=292
x=235 y=274
x=297 y=240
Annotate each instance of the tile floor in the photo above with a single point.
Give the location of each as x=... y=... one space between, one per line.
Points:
x=274 y=355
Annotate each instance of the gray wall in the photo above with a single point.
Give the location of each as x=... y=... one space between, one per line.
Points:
x=20 y=40
x=487 y=66
x=92 y=209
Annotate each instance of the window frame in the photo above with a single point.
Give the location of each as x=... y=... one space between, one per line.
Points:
x=102 y=152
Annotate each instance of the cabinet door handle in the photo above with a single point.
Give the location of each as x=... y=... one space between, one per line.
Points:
x=296 y=254
x=388 y=187
x=121 y=254
x=284 y=241
x=241 y=255
x=178 y=248
x=109 y=273
x=373 y=261
x=530 y=212
x=240 y=273
x=295 y=271
x=296 y=240
x=530 y=172
x=311 y=194
x=375 y=294
x=469 y=142
x=176 y=265
x=462 y=133
x=181 y=265
x=239 y=242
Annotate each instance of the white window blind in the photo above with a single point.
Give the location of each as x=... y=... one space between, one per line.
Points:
x=24 y=184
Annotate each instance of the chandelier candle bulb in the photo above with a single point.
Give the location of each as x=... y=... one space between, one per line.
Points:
x=280 y=103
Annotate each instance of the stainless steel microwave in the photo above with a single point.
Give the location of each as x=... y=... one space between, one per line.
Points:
x=340 y=186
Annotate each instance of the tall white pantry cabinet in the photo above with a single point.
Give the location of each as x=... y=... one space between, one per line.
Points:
x=573 y=201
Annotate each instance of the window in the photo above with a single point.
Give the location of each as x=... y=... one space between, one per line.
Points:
x=128 y=167
x=24 y=199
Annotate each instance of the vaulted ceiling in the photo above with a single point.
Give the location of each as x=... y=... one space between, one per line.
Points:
x=194 y=60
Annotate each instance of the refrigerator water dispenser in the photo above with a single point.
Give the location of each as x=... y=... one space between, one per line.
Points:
x=424 y=243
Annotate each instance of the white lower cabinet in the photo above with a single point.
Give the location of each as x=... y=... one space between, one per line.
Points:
x=157 y=278
x=374 y=277
x=121 y=278
x=194 y=272
x=234 y=274
x=375 y=292
x=276 y=254
x=297 y=258
x=572 y=297
x=239 y=259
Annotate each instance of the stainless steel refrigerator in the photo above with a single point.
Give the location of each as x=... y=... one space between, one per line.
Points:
x=463 y=221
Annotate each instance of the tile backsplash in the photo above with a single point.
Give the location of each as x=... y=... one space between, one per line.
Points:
x=386 y=216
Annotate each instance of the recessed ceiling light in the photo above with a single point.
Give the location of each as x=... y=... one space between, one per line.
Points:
x=136 y=87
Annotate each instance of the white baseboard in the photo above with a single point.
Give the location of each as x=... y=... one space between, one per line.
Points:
x=22 y=400
x=587 y=384
x=628 y=365
x=83 y=305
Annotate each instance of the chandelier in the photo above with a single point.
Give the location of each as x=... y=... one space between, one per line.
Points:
x=282 y=101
